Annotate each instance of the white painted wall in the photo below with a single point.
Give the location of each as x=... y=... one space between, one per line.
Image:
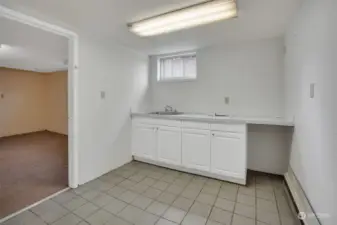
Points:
x=251 y=73
x=57 y=102
x=311 y=58
x=103 y=134
x=268 y=148
x=105 y=124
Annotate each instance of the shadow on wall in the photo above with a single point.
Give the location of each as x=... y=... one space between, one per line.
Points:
x=269 y=148
x=104 y=132
x=121 y=145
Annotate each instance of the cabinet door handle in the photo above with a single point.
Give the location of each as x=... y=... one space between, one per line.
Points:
x=196 y=134
x=227 y=136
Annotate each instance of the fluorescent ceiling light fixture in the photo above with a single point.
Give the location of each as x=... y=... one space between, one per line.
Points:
x=4 y=48
x=192 y=16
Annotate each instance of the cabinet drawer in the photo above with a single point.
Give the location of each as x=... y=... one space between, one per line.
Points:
x=157 y=122
x=169 y=123
x=231 y=128
x=143 y=121
x=195 y=125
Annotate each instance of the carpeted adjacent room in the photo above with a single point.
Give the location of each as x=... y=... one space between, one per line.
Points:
x=32 y=167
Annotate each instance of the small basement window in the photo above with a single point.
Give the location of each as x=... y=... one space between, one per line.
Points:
x=177 y=67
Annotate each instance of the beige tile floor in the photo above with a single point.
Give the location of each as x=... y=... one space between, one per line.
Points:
x=143 y=194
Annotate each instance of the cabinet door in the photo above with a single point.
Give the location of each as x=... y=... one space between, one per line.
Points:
x=144 y=141
x=196 y=149
x=228 y=154
x=169 y=145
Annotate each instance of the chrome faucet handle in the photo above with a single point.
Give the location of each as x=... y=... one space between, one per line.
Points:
x=168 y=108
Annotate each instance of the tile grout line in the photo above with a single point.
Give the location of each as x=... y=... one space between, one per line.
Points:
x=185 y=186
x=235 y=204
x=102 y=207
x=190 y=206
x=127 y=204
x=235 y=200
x=59 y=204
x=255 y=201
x=28 y=208
x=170 y=205
x=276 y=202
x=212 y=207
x=194 y=201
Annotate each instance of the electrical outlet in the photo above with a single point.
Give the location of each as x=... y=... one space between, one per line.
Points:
x=312 y=90
x=227 y=100
x=102 y=94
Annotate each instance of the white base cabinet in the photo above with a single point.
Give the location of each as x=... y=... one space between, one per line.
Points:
x=144 y=141
x=214 y=150
x=227 y=156
x=196 y=149
x=169 y=145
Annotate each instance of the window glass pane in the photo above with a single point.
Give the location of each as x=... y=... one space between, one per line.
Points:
x=178 y=67
x=190 y=70
x=167 y=69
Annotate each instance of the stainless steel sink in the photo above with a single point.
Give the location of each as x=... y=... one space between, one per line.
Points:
x=166 y=113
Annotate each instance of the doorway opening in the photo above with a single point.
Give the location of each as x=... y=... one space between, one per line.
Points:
x=38 y=66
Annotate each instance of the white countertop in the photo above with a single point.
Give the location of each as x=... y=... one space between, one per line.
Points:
x=218 y=119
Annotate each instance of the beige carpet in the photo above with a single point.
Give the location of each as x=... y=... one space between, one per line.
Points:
x=32 y=167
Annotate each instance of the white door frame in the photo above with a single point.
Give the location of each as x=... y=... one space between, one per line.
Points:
x=73 y=72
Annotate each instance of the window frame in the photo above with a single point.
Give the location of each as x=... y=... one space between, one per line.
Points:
x=175 y=79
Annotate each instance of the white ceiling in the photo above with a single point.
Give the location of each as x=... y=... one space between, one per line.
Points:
x=28 y=48
x=107 y=19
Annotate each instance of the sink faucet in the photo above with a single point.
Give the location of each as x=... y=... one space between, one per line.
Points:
x=169 y=108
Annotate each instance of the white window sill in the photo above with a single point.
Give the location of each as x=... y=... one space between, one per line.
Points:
x=177 y=80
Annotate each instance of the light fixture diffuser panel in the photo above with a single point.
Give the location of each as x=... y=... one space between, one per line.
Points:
x=192 y=16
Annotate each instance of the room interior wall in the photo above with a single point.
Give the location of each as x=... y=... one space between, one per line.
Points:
x=311 y=60
x=20 y=105
x=252 y=75
x=32 y=102
x=113 y=81
x=57 y=103
x=269 y=148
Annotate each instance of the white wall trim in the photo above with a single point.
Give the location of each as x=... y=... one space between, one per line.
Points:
x=31 y=21
x=300 y=199
x=73 y=72
x=50 y=70
x=32 y=205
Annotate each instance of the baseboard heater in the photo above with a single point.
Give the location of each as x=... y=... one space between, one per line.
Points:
x=306 y=212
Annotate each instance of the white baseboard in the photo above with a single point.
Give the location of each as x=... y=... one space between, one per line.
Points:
x=302 y=203
x=193 y=171
x=32 y=205
x=21 y=133
x=57 y=132
x=31 y=132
